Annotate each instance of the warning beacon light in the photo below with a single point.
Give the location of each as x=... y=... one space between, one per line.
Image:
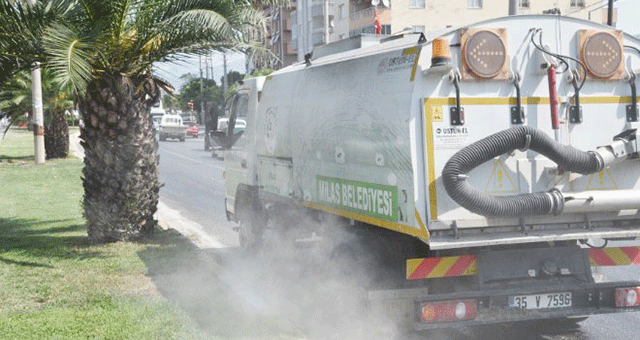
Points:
x=440 y=52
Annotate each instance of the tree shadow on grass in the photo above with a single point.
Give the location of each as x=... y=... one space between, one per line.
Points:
x=200 y=283
x=28 y=236
x=12 y=159
x=15 y=159
x=25 y=263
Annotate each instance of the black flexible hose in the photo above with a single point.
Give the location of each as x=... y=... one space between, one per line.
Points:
x=519 y=137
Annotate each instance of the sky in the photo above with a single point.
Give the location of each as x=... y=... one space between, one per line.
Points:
x=172 y=71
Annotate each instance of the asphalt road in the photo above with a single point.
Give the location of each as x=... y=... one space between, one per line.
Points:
x=194 y=186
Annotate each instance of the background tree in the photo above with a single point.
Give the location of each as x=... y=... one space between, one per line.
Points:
x=233 y=77
x=211 y=93
x=105 y=50
x=15 y=101
x=170 y=103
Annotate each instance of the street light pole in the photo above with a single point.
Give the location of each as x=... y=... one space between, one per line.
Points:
x=224 y=69
x=201 y=94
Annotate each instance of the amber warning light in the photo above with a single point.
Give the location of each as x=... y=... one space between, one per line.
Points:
x=440 y=52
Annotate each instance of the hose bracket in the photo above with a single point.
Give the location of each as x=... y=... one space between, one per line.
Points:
x=575 y=110
x=456 y=112
x=632 y=110
x=517 y=112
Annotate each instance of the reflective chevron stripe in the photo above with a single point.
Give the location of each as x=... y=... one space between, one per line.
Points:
x=448 y=266
x=614 y=256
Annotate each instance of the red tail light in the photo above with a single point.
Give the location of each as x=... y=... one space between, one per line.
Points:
x=628 y=297
x=449 y=311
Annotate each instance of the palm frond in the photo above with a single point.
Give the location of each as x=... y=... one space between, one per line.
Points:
x=69 y=57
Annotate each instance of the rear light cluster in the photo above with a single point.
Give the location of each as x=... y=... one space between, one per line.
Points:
x=449 y=310
x=628 y=297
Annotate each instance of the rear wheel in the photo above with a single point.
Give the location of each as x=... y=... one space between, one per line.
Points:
x=182 y=139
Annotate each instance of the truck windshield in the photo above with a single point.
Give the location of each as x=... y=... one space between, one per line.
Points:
x=241 y=105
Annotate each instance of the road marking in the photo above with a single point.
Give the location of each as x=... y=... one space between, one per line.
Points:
x=192 y=159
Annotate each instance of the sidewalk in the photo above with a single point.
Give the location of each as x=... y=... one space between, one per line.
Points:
x=167 y=218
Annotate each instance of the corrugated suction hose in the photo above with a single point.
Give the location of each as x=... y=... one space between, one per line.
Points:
x=519 y=137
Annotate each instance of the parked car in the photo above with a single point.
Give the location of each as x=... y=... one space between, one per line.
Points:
x=192 y=129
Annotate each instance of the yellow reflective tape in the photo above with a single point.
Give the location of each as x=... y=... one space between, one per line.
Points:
x=525 y=100
x=602 y=100
x=443 y=266
x=411 y=50
x=412 y=265
x=370 y=220
x=415 y=67
x=433 y=205
x=489 y=101
x=472 y=269
x=420 y=222
x=618 y=256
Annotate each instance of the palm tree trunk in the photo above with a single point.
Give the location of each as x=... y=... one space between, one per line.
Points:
x=121 y=163
x=56 y=136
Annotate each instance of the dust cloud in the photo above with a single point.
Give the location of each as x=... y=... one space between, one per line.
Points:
x=310 y=289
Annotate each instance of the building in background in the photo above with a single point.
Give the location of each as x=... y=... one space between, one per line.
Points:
x=318 y=22
x=307 y=24
x=281 y=31
x=433 y=15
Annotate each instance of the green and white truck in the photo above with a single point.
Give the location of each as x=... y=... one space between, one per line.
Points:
x=482 y=167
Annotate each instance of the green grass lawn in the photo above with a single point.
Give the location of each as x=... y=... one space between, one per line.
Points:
x=53 y=284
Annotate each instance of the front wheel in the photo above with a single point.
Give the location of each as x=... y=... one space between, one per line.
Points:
x=250 y=231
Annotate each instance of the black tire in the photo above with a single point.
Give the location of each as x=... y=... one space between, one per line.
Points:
x=251 y=229
x=163 y=137
x=182 y=139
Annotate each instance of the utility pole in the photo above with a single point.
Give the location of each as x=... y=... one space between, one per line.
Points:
x=201 y=91
x=513 y=4
x=610 y=13
x=224 y=68
x=211 y=65
x=206 y=67
x=326 y=22
x=38 y=117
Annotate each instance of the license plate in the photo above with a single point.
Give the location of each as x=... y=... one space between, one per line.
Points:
x=541 y=301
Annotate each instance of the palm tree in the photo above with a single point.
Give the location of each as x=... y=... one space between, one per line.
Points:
x=15 y=100
x=105 y=49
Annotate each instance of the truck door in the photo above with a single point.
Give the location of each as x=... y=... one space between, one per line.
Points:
x=235 y=156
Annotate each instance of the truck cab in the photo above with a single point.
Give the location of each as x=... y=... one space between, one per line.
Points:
x=239 y=138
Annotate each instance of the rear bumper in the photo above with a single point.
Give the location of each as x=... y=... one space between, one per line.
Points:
x=493 y=306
